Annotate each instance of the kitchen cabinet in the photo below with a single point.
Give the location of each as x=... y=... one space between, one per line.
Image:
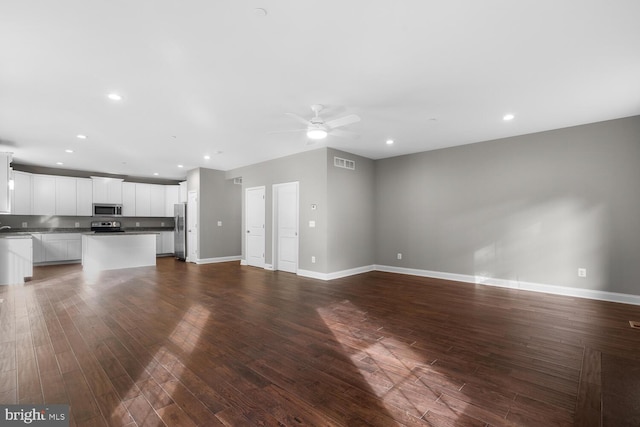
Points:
x=66 y=196
x=157 y=205
x=5 y=177
x=107 y=190
x=164 y=243
x=59 y=195
x=183 y=192
x=15 y=259
x=171 y=197
x=128 y=199
x=21 y=196
x=84 y=199
x=143 y=200
x=62 y=246
x=38 y=247
x=44 y=195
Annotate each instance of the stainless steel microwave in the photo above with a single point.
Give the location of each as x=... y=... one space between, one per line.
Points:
x=104 y=209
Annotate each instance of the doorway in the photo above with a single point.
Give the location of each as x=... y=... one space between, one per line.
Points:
x=254 y=224
x=285 y=227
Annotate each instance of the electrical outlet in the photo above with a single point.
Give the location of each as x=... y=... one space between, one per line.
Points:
x=399 y=255
x=582 y=272
x=25 y=225
x=312 y=224
x=162 y=224
x=137 y=224
x=219 y=223
x=77 y=225
x=313 y=260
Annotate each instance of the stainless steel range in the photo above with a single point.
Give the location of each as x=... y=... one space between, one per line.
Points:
x=106 y=227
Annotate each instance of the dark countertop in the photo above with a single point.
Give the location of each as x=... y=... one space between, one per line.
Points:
x=25 y=231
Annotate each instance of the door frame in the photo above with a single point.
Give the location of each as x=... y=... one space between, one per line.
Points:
x=192 y=237
x=274 y=224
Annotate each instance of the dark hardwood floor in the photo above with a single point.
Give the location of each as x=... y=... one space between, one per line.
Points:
x=220 y=344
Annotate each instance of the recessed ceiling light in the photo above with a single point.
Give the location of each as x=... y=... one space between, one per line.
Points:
x=207 y=157
x=80 y=136
x=390 y=141
x=508 y=117
x=180 y=166
x=59 y=163
x=114 y=97
x=68 y=151
x=156 y=174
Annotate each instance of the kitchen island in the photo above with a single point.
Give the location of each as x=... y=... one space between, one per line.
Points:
x=16 y=258
x=110 y=251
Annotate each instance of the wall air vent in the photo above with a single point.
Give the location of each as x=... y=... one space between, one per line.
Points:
x=344 y=163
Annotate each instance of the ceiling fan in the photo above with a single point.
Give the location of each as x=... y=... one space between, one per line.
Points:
x=317 y=128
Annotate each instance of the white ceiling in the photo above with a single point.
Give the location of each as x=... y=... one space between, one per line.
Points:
x=204 y=77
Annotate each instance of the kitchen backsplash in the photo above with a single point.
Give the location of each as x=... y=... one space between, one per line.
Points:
x=47 y=222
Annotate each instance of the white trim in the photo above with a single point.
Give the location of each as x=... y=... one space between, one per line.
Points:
x=268 y=267
x=350 y=272
x=336 y=274
x=515 y=284
x=243 y=262
x=219 y=259
x=312 y=274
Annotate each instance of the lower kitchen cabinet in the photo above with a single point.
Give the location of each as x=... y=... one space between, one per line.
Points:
x=164 y=243
x=56 y=247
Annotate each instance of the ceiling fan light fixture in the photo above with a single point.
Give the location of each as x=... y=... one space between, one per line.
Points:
x=316 y=134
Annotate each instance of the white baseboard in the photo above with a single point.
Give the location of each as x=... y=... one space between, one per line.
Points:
x=219 y=259
x=336 y=274
x=514 y=284
x=268 y=267
x=312 y=274
x=243 y=262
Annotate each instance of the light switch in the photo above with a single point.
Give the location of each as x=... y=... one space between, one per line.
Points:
x=219 y=223
x=312 y=224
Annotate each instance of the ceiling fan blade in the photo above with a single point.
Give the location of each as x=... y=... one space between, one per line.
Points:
x=343 y=121
x=286 y=131
x=298 y=118
x=342 y=133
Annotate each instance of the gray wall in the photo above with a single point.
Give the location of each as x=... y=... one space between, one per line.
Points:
x=310 y=170
x=219 y=200
x=532 y=208
x=350 y=218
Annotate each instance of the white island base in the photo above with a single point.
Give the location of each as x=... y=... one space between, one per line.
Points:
x=110 y=251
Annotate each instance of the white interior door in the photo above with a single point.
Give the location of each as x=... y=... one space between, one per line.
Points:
x=286 y=226
x=192 y=226
x=254 y=222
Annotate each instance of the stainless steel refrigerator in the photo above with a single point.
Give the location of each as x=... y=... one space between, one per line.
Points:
x=179 y=231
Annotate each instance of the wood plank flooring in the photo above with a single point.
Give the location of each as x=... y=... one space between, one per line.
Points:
x=204 y=345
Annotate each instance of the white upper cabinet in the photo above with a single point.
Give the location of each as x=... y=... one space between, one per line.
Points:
x=128 y=199
x=66 y=196
x=84 y=199
x=44 y=195
x=107 y=190
x=171 y=197
x=183 y=192
x=5 y=177
x=143 y=200
x=157 y=200
x=21 y=198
